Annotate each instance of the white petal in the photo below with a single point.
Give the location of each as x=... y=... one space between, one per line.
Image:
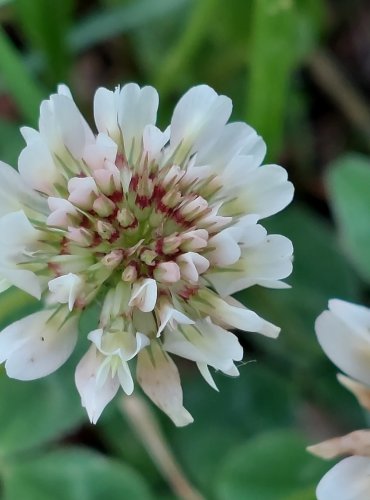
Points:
x=347 y=480
x=17 y=238
x=206 y=374
x=159 y=378
x=144 y=295
x=22 y=279
x=170 y=315
x=346 y=345
x=354 y=316
x=154 y=140
x=225 y=248
x=65 y=289
x=125 y=378
x=231 y=140
x=234 y=316
x=37 y=168
x=94 y=397
x=15 y=194
x=191 y=265
x=74 y=132
x=264 y=191
x=29 y=134
x=205 y=343
x=37 y=345
x=105 y=111
x=264 y=264
x=4 y=284
x=137 y=109
x=198 y=119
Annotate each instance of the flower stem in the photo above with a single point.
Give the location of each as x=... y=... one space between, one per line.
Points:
x=147 y=429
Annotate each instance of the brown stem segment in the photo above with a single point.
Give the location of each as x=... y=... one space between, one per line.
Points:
x=147 y=429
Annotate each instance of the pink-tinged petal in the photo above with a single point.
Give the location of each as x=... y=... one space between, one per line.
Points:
x=197 y=120
x=347 y=480
x=346 y=344
x=104 y=148
x=159 y=378
x=192 y=265
x=354 y=443
x=37 y=345
x=94 y=396
x=83 y=192
x=360 y=391
x=144 y=295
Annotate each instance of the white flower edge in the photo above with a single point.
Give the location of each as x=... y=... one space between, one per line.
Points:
x=38 y=344
x=349 y=479
x=343 y=333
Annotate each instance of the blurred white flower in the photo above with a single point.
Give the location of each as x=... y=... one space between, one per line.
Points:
x=158 y=227
x=344 y=334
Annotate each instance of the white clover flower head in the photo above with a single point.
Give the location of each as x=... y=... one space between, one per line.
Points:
x=160 y=227
x=343 y=332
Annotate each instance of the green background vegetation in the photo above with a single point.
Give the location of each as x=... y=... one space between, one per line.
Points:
x=298 y=71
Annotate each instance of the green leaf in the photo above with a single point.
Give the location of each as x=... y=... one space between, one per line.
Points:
x=45 y=23
x=106 y=24
x=26 y=92
x=272 y=53
x=272 y=466
x=258 y=399
x=34 y=413
x=349 y=192
x=11 y=142
x=14 y=304
x=73 y=474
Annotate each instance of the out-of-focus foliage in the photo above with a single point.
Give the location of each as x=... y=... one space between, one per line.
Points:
x=267 y=55
x=349 y=187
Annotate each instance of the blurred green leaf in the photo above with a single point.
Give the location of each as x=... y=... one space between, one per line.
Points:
x=106 y=24
x=273 y=466
x=180 y=53
x=11 y=142
x=33 y=413
x=349 y=191
x=73 y=474
x=26 y=92
x=258 y=399
x=45 y=23
x=272 y=53
x=14 y=304
x=320 y=272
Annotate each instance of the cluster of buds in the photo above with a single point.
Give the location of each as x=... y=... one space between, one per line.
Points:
x=160 y=228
